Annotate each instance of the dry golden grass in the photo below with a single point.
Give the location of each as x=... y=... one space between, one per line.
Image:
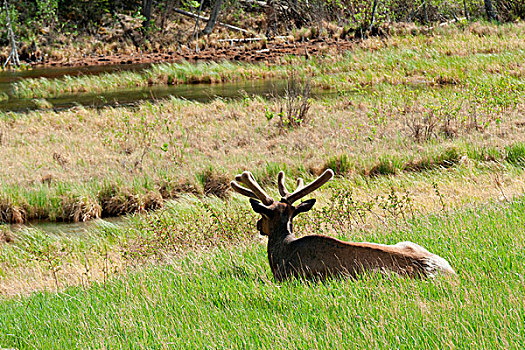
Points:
x=175 y=141
x=79 y=270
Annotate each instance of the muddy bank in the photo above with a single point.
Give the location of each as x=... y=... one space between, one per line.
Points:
x=269 y=52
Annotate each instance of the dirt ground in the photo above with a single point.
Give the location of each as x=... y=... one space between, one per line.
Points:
x=269 y=52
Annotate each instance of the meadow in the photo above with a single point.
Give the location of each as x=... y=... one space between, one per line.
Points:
x=226 y=298
x=425 y=134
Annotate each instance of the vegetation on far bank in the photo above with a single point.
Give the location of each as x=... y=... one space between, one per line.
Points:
x=60 y=30
x=444 y=56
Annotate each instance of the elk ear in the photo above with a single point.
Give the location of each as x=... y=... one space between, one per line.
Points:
x=304 y=207
x=260 y=208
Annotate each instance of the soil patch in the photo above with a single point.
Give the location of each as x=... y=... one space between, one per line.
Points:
x=271 y=52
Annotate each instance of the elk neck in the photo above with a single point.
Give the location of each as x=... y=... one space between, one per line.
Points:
x=282 y=235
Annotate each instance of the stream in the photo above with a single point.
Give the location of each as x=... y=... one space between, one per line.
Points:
x=194 y=92
x=191 y=92
x=71 y=229
x=8 y=77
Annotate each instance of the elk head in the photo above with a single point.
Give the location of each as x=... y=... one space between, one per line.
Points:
x=277 y=216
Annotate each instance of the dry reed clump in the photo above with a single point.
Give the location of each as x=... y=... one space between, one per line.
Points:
x=152 y=201
x=12 y=213
x=171 y=190
x=5 y=236
x=47 y=179
x=443 y=81
x=216 y=185
x=80 y=209
x=116 y=202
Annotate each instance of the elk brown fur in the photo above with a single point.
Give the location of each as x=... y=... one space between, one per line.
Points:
x=319 y=257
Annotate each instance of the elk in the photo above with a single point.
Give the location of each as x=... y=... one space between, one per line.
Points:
x=318 y=257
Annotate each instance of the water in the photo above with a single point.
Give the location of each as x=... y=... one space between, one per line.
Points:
x=9 y=77
x=192 y=92
x=71 y=229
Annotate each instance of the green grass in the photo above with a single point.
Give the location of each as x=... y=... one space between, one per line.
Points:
x=165 y=73
x=226 y=298
x=515 y=154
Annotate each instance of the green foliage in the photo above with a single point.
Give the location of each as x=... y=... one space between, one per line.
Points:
x=341 y=164
x=515 y=154
x=14 y=15
x=47 y=12
x=67 y=16
x=191 y=4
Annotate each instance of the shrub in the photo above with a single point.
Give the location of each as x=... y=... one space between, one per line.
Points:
x=339 y=164
x=515 y=154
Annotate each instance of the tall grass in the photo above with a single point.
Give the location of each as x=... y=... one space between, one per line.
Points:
x=226 y=298
x=166 y=73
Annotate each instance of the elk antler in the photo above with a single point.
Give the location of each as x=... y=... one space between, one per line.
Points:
x=302 y=190
x=254 y=191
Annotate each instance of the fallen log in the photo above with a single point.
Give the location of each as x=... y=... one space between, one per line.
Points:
x=193 y=15
x=242 y=40
x=255 y=2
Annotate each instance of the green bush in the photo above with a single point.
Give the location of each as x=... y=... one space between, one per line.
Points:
x=515 y=154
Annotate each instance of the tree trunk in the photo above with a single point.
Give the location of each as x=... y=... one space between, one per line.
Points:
x=466 y=10
x=167 y=11
x=374 y=9
x=271 y=18
x=213 y=17
x=13 y=55
x=146 y=12
x=491 y=14
x=425 y=12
